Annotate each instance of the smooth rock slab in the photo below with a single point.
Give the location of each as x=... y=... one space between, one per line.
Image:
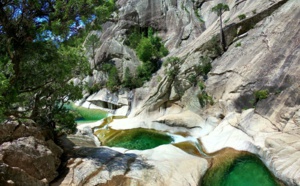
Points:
x=164 y=165
x=186 y=119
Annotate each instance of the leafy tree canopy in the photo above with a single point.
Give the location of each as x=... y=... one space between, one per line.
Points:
x=220 y=8
x=40 y=53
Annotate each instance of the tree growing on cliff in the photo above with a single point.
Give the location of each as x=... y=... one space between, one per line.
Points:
x=113 y=79
x=128 y=79
x=40 y=54
x=92 y=43
x=149 y=50
x=219 y=9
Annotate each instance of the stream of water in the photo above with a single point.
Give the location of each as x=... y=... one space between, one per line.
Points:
x=245 y=170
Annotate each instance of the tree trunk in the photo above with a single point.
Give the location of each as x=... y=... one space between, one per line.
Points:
x=94 y=55
x=222 y=36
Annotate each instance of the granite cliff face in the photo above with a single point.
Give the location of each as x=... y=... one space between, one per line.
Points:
x=265 y=58
x=177 y=23
x=262 y=56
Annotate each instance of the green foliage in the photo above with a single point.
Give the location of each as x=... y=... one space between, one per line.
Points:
x=220 y=8
x=65 y=121
x=4 y=84
x=145 y=50
x=242 y=16
x=134 y=38
x=238 y=44
x=261 y=94
x=192 y=79
x=150 y=48
x=39 y=54
x=91 y=44
x=203 y=97
x=113 y=79
x=144 y=73
x=204 y=67
x=128 y=79
x=206 y=64
x=172 y=61
x=173 y=66
x=104 y=11
x=106 y=67
x=214 y=48
x=94 y=88
x=201 y=85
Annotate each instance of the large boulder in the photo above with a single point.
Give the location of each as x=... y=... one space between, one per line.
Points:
x=26 y=156
x=13 y=130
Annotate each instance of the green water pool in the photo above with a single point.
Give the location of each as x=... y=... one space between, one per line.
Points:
x=138 y=139
x=247 y=170
x=85 y=115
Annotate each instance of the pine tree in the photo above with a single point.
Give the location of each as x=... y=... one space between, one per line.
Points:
x=219 y=9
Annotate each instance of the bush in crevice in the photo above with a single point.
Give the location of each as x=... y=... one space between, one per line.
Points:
x=128 y=79
x=94 y=88
x=257 y=96
x=149 y=49
x=203 y=68
x=213 y=47
x=238 y=44
x=113 y=81
x=242 y=16
x=134 y=38
x=203 y=97
x=261 y=94
x=172 y=65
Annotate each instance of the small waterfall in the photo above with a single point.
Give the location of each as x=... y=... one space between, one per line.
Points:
x=179 y=138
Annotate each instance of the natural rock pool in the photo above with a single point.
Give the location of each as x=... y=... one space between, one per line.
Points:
x=235 y=168
x=86 y=115
x=228 y=166
x=252 y=170
x=138 y=139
